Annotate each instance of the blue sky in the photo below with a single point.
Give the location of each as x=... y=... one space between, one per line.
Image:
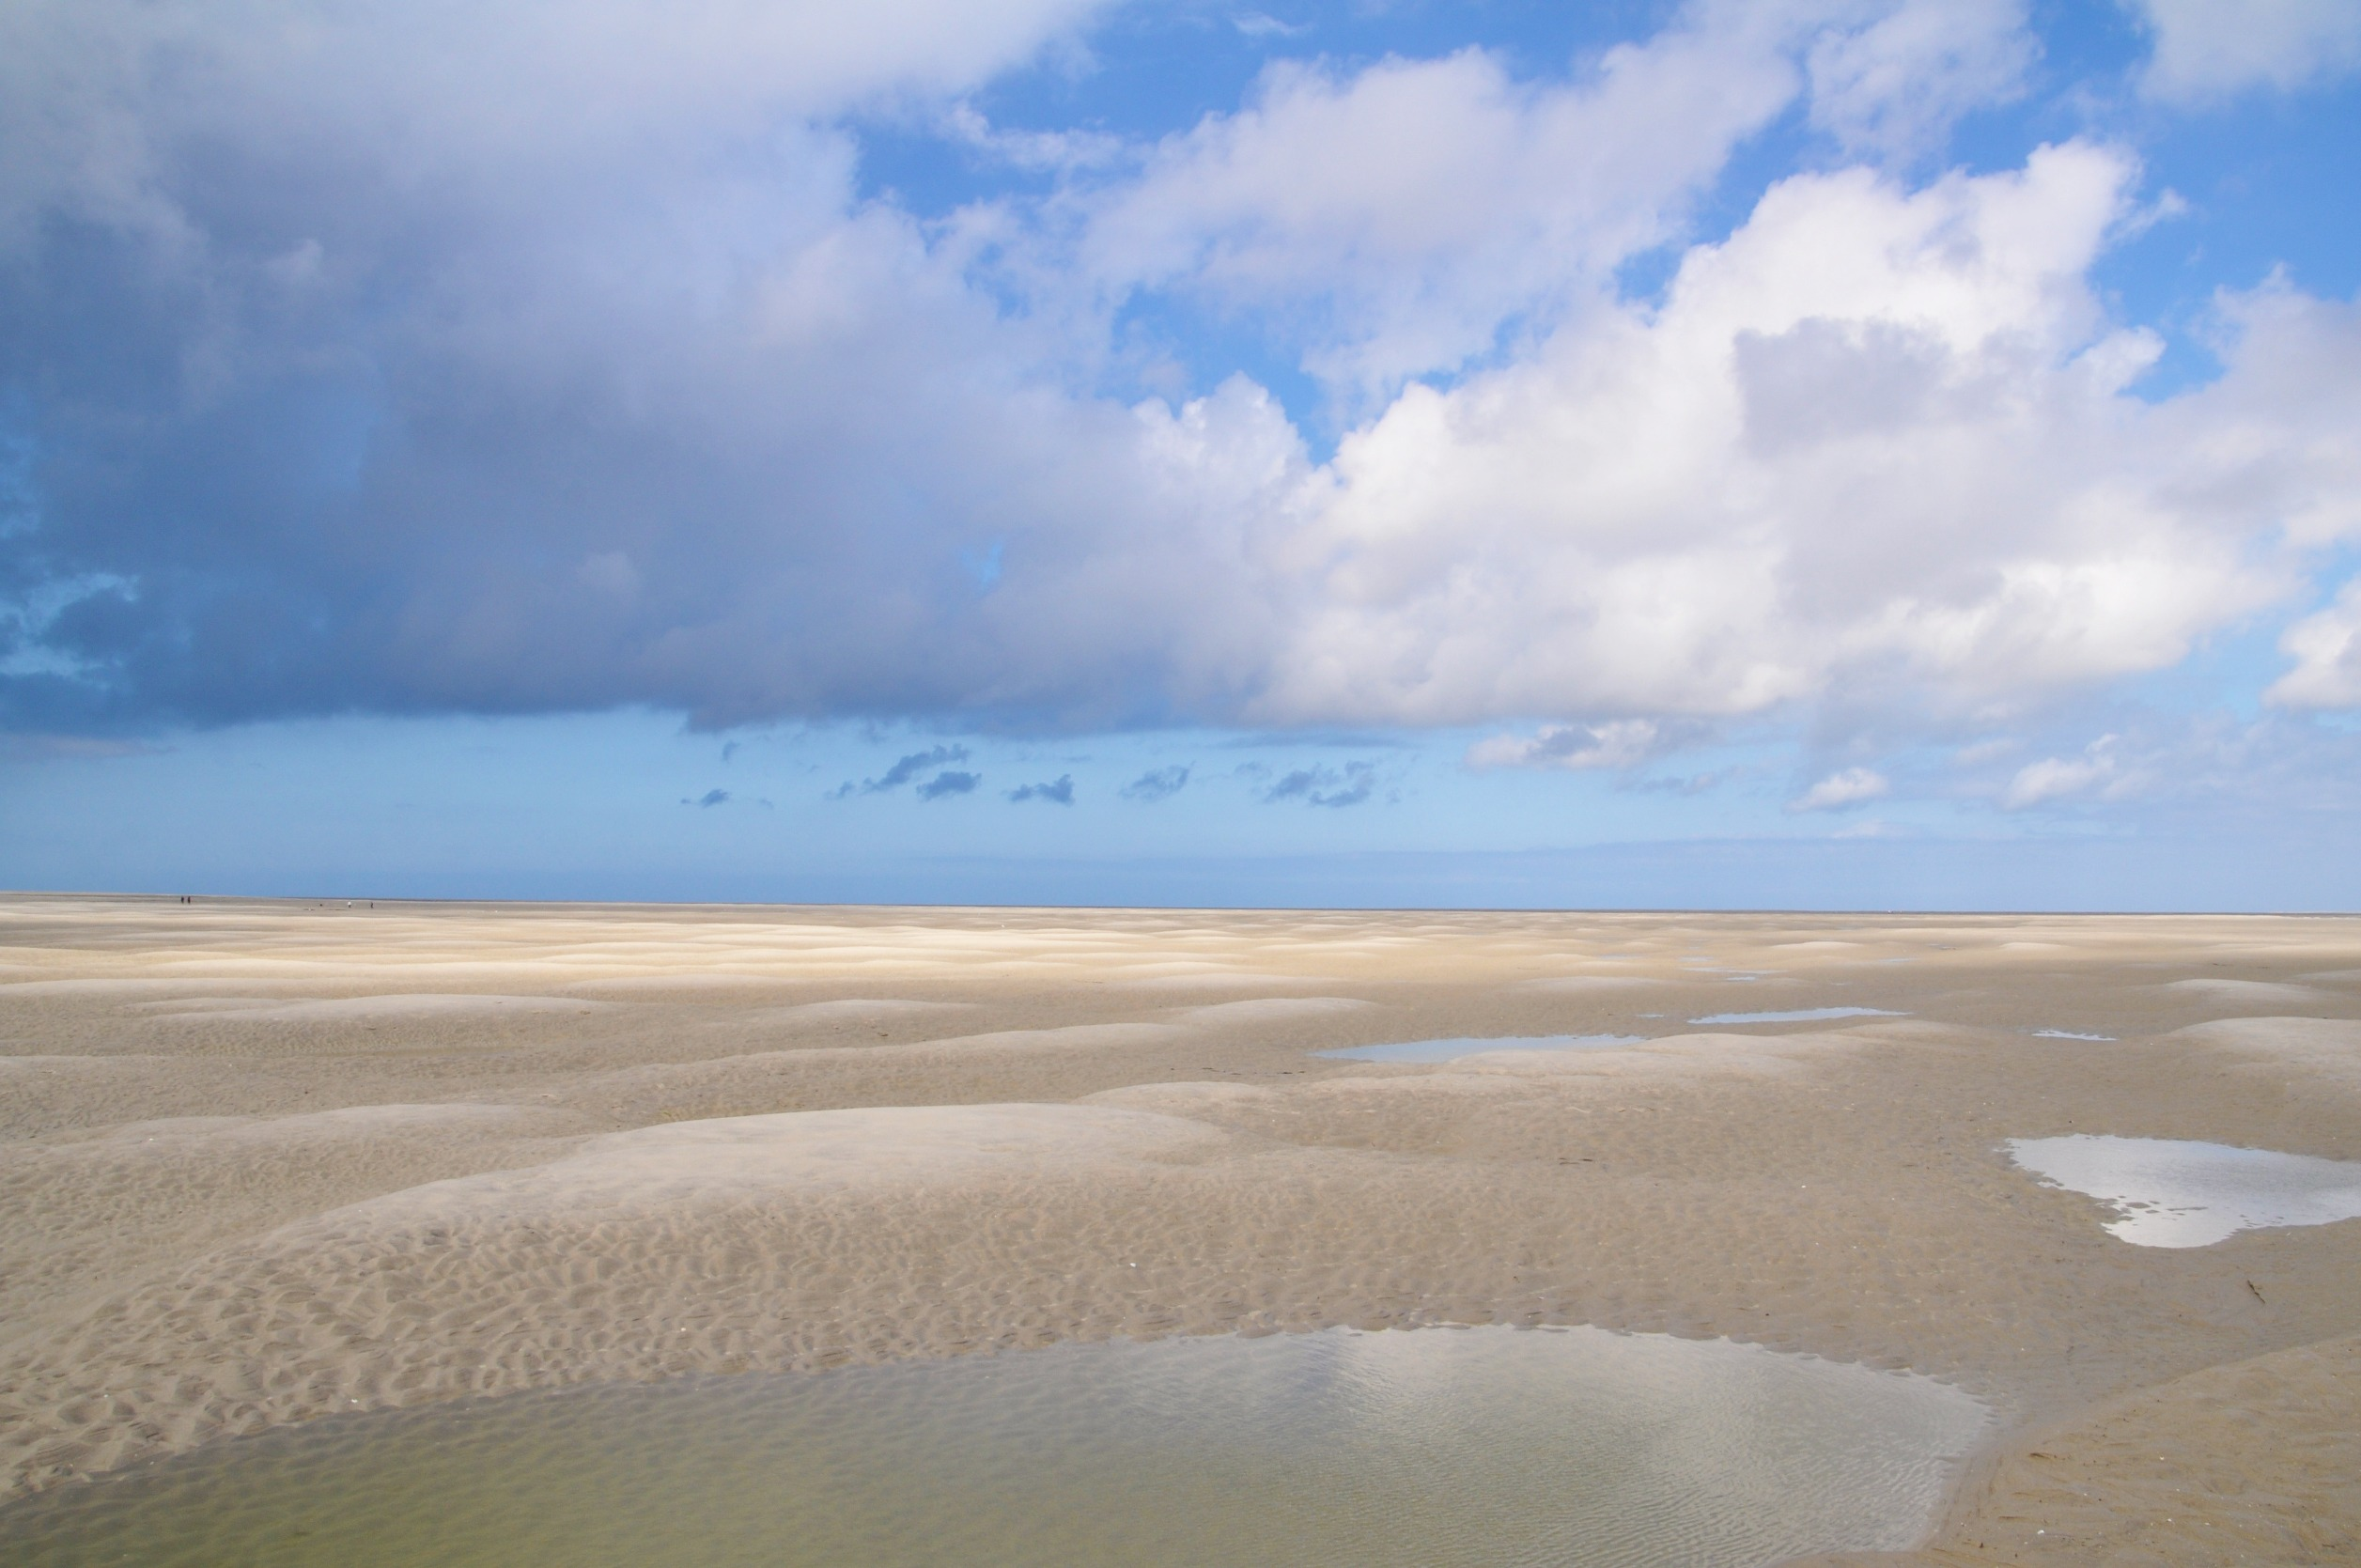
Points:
x=1824 y=453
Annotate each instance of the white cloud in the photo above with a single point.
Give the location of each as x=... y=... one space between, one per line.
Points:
x=101 y=99
x=607 y=400
x=1897 y=85
x=1852 y=787
x=2054 y=778
x=1876 y=442
x=1397 y=215
x=1256 y=24
x=2210 y=49
x=2326 y=647
x=1617 y=743
x=1985 y=751
x=1395 y=220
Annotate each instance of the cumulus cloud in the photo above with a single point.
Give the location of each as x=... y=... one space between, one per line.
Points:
x=1396 y=218
x=1156 y=784
x=2209 y=49
x=1878 y=442
x=1059 y=791
x=1851 y=786
x=2326 y=647
x=536 y=357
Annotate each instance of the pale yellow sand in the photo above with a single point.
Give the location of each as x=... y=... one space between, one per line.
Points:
x=263 y=1161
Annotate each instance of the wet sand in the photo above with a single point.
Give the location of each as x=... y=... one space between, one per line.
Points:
x=265 y=1161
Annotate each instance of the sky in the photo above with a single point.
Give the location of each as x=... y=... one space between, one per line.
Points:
x=1838 y=454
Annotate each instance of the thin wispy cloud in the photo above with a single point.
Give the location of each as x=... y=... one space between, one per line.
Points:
x=1257 y=25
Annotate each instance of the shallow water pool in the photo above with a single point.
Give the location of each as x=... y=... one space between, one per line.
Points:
x=1430 y=1446
x=2180 y=1193
x=1452 y=1050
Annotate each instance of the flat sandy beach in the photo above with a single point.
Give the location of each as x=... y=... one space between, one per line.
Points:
x=263 y=1161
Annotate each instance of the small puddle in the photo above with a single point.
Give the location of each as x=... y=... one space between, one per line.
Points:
x=1450 y=1051
x=1801 y=1015
x=2067 y=1034
x=2177 y=1194
x=1427 y=1447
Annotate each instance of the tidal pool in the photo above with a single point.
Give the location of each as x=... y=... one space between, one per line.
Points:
x=2177 y=1194
x=1801 y=1015
x=1428 y=1447
x=1448 y=1050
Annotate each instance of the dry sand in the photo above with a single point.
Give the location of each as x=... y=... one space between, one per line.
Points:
x=263 y=1161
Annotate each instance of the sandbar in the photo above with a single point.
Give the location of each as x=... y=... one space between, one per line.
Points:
x=265 y=1161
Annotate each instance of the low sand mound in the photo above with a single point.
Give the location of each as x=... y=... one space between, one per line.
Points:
x=1271 y=1010
x=700 y=1246
x=2249 y=993
x=2328 y=1049
x=399 y=1005
x=675 y=988
x=916 y=1072
x=2257 y=1462
x=1137 y=978
x=798 y=1154
x=858 y=1010
x=180 y=1134
x=97 y=1211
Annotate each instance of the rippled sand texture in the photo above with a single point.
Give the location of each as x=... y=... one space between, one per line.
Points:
x=264 y=1162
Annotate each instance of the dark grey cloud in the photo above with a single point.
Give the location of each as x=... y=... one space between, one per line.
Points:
x=902 y=772
x=949 y=784
x=1355 y=782
x=1158 y=784
x=1059 y=790
x=402 y=384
